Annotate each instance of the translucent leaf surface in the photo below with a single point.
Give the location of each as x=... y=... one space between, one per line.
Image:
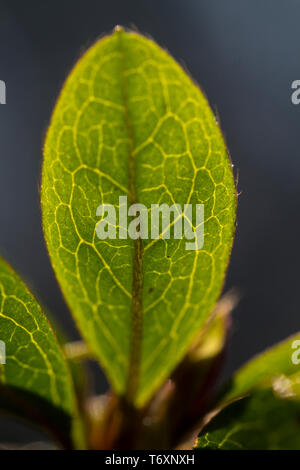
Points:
x=35 y=381
x=259 y=422
x=260 y=407
x=130 y=122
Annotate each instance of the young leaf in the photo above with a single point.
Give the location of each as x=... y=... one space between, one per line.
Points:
x=34 y=381
x=266 y=419
x=261 y=370
x=259 y=422
x=130 y=122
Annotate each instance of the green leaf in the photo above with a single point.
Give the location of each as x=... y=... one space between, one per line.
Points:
x=130 y=122
x=261 y=370
x=262 y=421
x=269 y=416
x=35 y=382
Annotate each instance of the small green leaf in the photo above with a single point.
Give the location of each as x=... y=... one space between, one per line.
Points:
x=269 y=416
x=34 y=381
x=262 y=421
x=130 y=122
x=261 y=370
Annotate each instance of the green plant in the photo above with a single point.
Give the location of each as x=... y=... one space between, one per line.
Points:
x=130 y=122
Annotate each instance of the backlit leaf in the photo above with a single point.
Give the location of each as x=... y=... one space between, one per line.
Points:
x=130 y=122
x=262 y=421
x=261 y=370
x=35 y=381
x=260 y=407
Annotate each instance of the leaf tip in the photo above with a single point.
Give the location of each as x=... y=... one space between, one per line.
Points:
x=118 y=28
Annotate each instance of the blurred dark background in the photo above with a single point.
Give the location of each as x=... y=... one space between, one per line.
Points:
x=245 y=55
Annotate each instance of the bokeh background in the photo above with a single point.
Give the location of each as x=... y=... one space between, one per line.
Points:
x=245 y=55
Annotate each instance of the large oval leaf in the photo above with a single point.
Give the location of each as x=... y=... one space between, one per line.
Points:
x=130 y=122
x=35 y=381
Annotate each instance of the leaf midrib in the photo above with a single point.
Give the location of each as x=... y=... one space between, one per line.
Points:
x=137 y=273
